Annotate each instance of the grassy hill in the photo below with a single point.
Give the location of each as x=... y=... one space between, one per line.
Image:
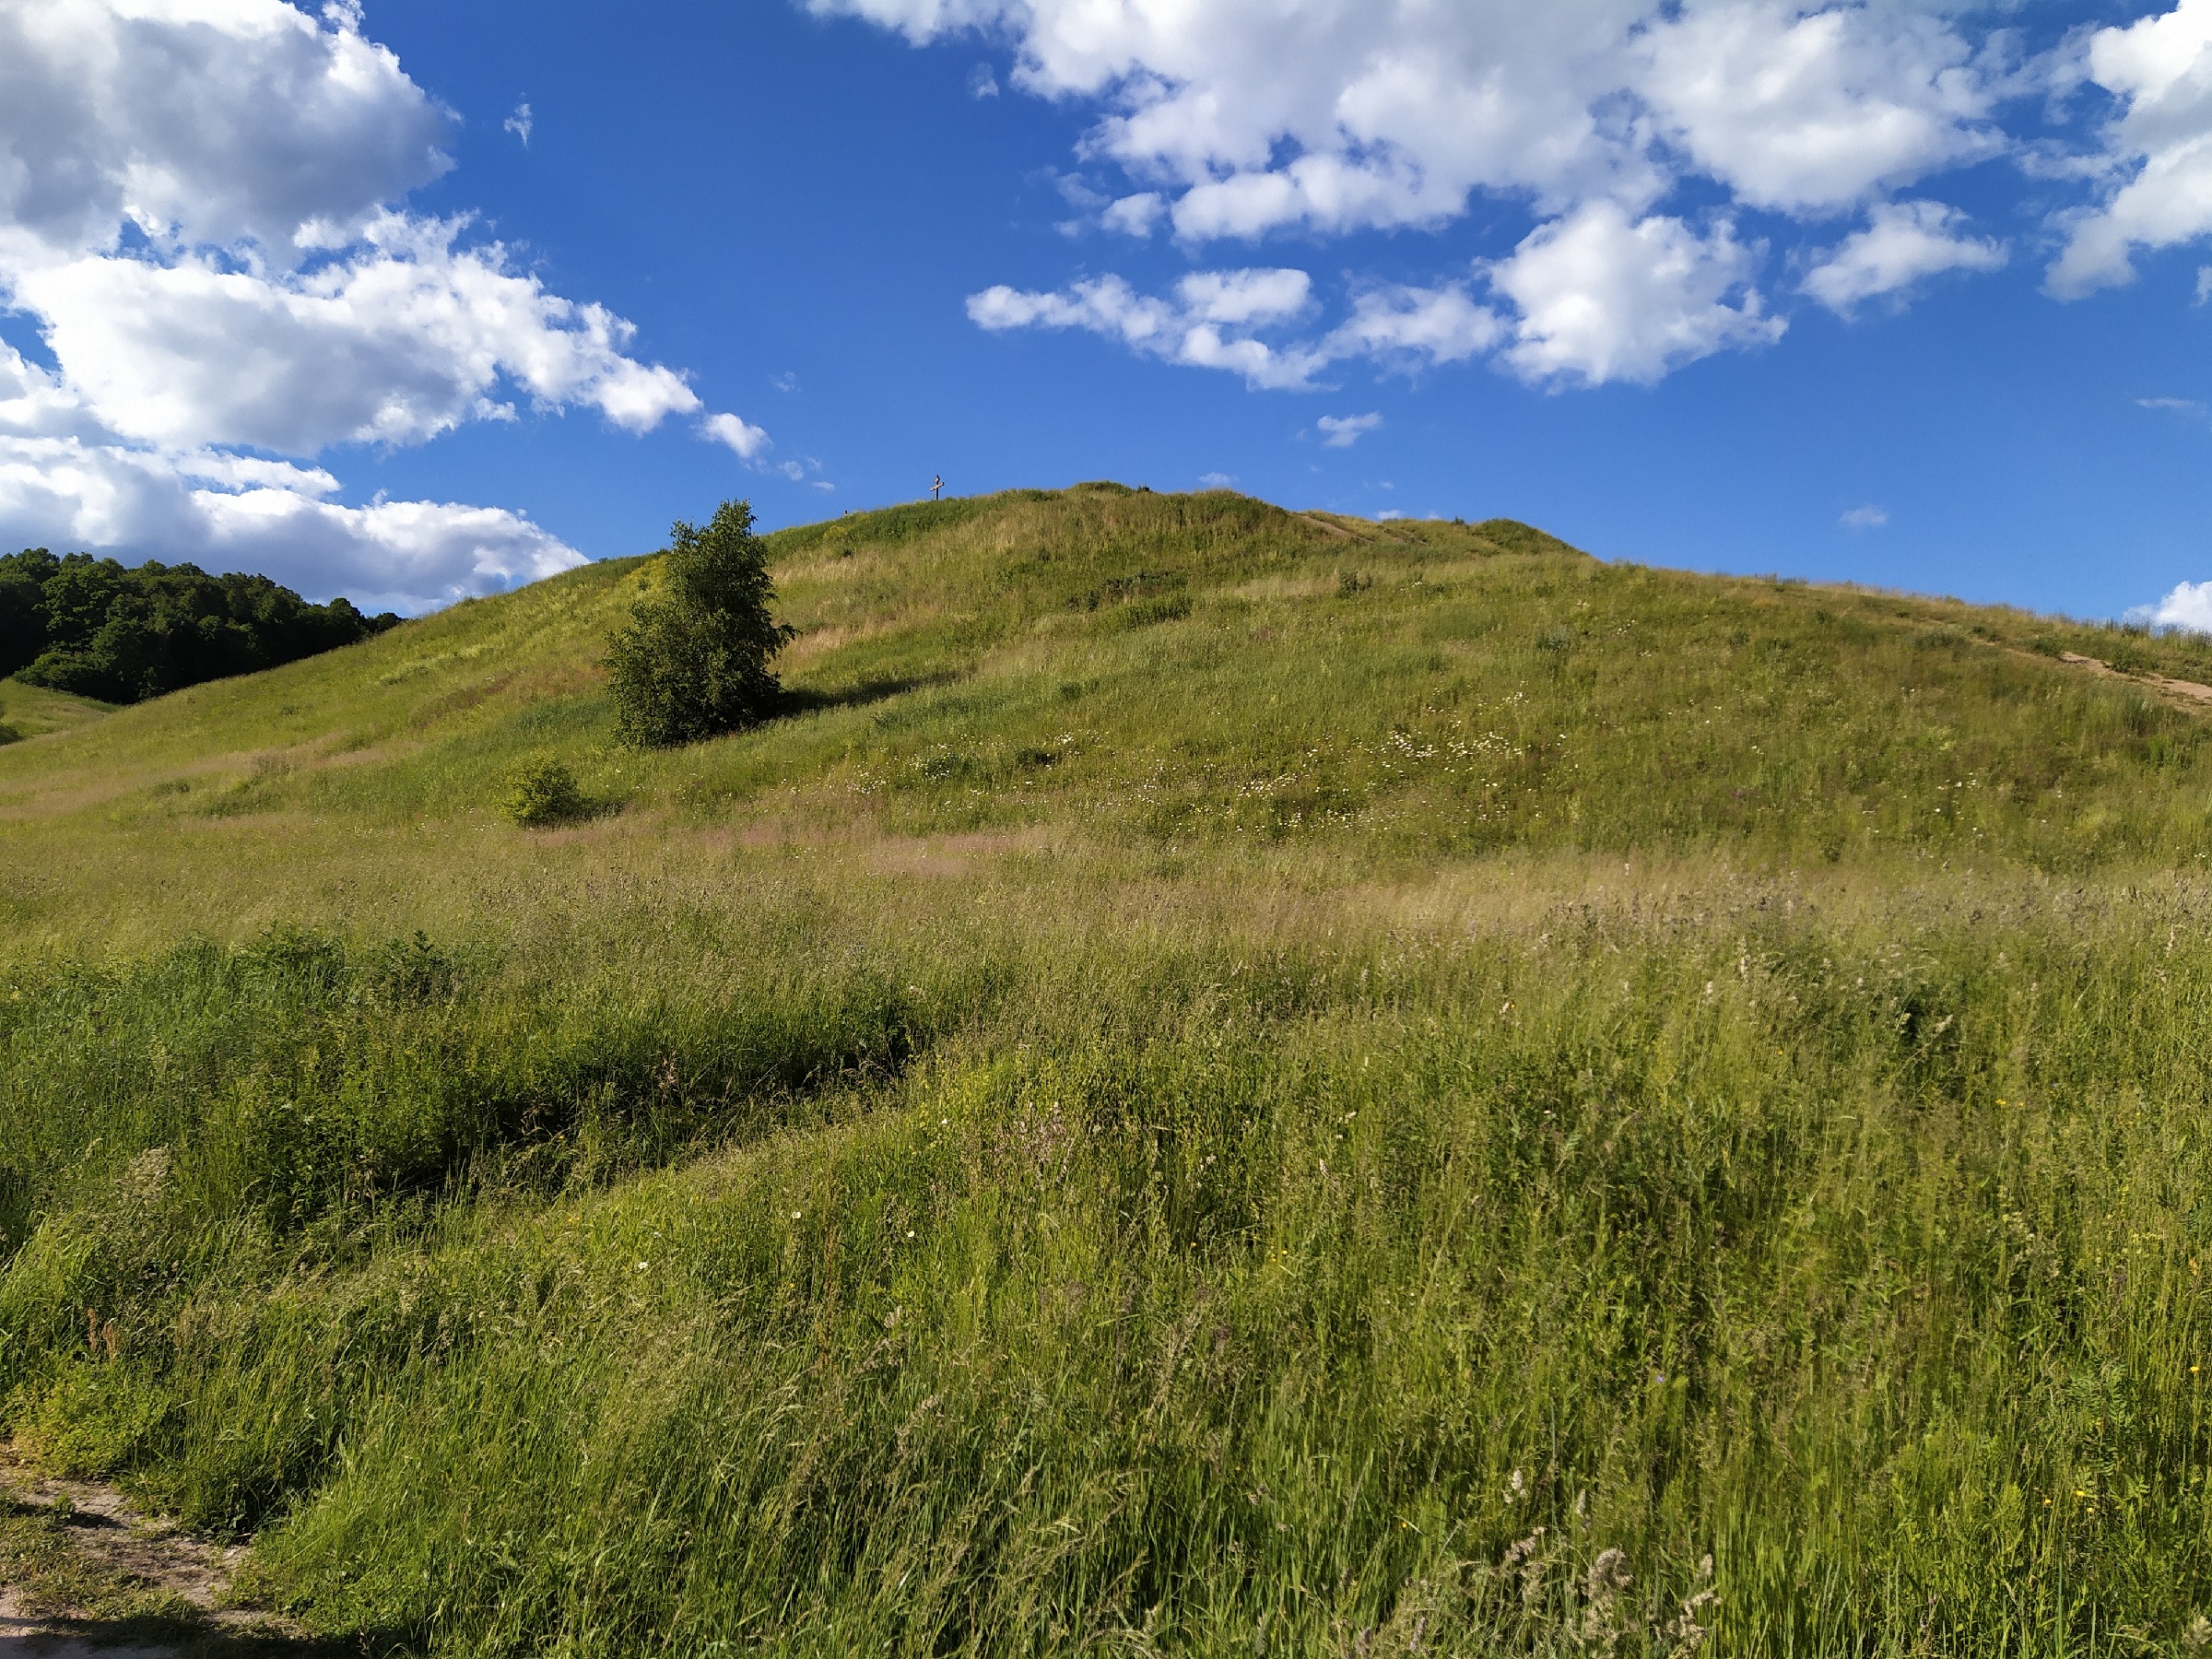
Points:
x=1225 y=1081
x=33 y=710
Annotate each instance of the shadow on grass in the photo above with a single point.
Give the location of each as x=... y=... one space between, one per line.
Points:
x=567 y=808
x=155 y=1636
x=589 y=809
x=808 y=700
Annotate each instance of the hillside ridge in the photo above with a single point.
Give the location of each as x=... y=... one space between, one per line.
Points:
x=949 y=640
x=2133 y=652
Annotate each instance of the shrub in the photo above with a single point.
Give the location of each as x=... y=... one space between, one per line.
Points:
x=692 y=661
x=8 y=734
x=545 y=792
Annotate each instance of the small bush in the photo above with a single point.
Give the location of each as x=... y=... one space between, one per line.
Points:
x=545 y=792
x=8 y=734
x=692 y=662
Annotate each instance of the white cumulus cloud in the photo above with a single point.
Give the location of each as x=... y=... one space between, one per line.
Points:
x=1415 y=326
x=1904 y=243
x=402 y=339
x=1245 y=296
x=1336 y=114
x=1869 y=517
x=1603 y=297
x=1805 y=110
x=1207 y=324
x=202 y=212
x=2187 y=608
x=748 y=440
x=1341 y=431
x=2158 y=150
x=1217 y=319
x=231 y=512
x=212 y=121
x=1241 y=118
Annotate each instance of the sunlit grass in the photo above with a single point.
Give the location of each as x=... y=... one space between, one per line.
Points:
x=1222 y=1082
x=33 y=710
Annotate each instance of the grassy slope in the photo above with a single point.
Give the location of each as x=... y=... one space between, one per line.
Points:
x=32 y=710
x=1223 y=1075
x=1027 y=663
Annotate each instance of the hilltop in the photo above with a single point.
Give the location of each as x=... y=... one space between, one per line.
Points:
x=1219 y=1080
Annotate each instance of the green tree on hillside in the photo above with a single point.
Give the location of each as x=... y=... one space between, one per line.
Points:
x=692 y=660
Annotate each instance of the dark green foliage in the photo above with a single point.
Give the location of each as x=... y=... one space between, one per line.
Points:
x=545 y=792
x=92 y=626
x=692 y=661
x=22 y=606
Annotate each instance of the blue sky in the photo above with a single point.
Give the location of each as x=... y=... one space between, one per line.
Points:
x=1604 y=313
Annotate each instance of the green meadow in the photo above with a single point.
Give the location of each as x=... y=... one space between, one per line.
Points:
x=1220 y=1082
x=32 y=710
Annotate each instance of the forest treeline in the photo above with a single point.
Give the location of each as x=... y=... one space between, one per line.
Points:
x=99 y=628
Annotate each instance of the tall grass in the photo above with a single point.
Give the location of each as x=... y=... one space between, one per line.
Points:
x=1314 y=1290
x=914 y=1184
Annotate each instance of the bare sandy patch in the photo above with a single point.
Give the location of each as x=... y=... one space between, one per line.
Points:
x=125 y=1552
x=2187 y=690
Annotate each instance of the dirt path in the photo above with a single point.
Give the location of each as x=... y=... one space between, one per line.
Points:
x=86 y=1575
x=2187 y=689
x=1366 y=533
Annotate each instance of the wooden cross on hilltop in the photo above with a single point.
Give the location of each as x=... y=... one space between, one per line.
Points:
x=936 y=487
